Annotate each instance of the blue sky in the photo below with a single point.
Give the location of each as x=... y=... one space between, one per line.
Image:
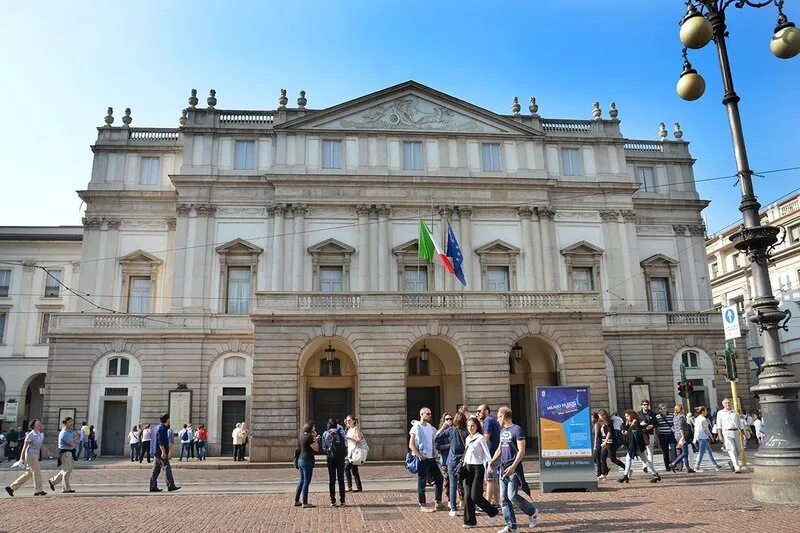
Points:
x=61 y=67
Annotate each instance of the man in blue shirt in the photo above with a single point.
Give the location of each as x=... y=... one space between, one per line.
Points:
x=162 y=438
x=491 y=431
x=67 y=440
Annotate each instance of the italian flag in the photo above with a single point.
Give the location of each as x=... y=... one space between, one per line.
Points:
x=428 y=247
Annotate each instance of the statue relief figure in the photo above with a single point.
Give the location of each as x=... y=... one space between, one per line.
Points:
x=405 y=113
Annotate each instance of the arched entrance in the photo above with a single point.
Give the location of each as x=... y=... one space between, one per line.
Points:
x=34 y=399
x=433 y=379
x=115 y=398
x=328 y=382
x=230 y=381
x=533 y=362
x=700 y=371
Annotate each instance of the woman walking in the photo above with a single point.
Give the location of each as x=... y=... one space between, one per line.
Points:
x=444 y=451
x=637 y=445
x=34 y=441
x=596 y=441
x=309 y=445
x=136 y=444
x=92 y=444
x=681 y=430
x=456 y=436
x=702 y=436
x=476 y=461
x=355 y=439
x=202 y=442
x=147 y=435
x=608 y=444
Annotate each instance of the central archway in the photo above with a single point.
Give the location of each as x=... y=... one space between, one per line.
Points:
x=433 y=378
x=328 y=384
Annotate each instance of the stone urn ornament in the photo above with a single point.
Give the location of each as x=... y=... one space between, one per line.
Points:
x=597 y=113
x=193 y=99
x=678 y=133
x=283 y=100
x=533 y=107
x=301 y=100
x=662 y=131
x=515 y=107
x=212 y=98
x=184 y=114
x=612 y=111
x=109 y=120
x=127 y=119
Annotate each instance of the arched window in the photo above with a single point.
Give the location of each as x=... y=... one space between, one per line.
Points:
x=689 y=359
x=334 y=368
x=118 y=366
x=235 y=367
x=418 y=367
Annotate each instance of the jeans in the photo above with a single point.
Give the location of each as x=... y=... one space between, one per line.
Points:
x=473 y=495
x=82 y=445
x=668 y=449
x=336 y=473
x=509 y=495
x=606 y=453
x=705 y=446
x=452 y=475
x=185 y=447
x=350 y=472
x=201 y=449
x=136 y=451
x=306 y=469
x=429 y=467
x=643 y=458
x=158 y=464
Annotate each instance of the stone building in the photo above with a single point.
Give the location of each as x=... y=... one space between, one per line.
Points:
x=732 y=283
x=265 y=268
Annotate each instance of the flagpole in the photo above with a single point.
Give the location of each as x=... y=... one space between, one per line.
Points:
x=419 y=243
x=433 y=266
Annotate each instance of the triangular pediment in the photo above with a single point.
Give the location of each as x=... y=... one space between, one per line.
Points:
x=658 y=260
x=497 y=246
x=140 y=256
x=331 y=246
x=239 y=246
x=582 y=248
x=410 y=247
x=409 y=107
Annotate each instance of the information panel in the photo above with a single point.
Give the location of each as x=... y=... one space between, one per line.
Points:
x=180 y=409
x=565 y=439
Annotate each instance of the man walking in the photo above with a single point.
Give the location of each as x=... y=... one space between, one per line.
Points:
x=83 y=443
x=648 y=423
x=491 y=432
x=421 y=444
x=68 y=438
x=510 y=453
x=666 y=435
x=160 y=450
x=729 y=425
x=243 y=435
x=236 y=435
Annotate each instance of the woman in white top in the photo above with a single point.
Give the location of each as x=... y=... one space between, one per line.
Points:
x=702 y=436
x=147 y=434
x=136 y=445
x=354 y=439
x=758 y=425
x=476 y=460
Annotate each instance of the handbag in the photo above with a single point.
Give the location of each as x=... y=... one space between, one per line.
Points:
x=461 y=472
x=412 y=463
x=296 y=458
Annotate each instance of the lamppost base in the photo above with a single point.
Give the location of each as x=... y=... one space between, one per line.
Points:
x=776 y=483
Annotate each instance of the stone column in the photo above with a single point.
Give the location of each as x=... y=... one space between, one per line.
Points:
x=545 y=216
x=618 y=267
x=90 y=253
x=112 y=284
x=201 y=282
x=299 y=267
x=181 y=248
x=363 y=211
x=384 y=211
x=629 y=243
x=288 y=247
x=277 y=239
x=188 y=272
x=538 y=252
x=526 y=216
x=28 y=270
x=373 y=251
x=445 y=212
x=471 y=273
x=166 y=277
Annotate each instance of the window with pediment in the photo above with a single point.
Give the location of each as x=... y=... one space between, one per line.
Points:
x=583 y=266
x=413 y=275
x=330 y=265
x=498 y=260
x=238 y=267
x=660 y=275
x=139 y=281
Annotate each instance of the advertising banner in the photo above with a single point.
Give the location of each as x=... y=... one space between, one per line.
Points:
x=565 y=439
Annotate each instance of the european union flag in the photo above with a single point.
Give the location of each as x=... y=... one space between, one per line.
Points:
x=454 y=252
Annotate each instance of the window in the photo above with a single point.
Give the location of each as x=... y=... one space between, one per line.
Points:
x=330 y=279
x=491 y=158
x=331 y=154
x=569 y=161
x=418 y=367
x=243 y=155
x=3 y=327
x=416 y=279
x=659 y=295
x=139 y=295
x=5 y=282
x=794 y=233
x=497 y=279
x=44 y=328
x=735 y=260
x=646 y=177
x=739 y=303
x=412 y=155
x=234 y=391
x=116 y=391
x=52 y=284
x=118 y=366
x=238 y=291
x=582 y=279
x=234 y=367
x=714 y=270
x=330 y=368
x=149 y=171
x=689 y=359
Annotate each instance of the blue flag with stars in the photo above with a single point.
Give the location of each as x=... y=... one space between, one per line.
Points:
x=454 y=252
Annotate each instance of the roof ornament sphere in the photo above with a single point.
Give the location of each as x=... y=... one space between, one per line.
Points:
x=533 y=108
x=127 y=119
x=515 y=107
x=302 y=100
x=597 y=113
x=612 y=111
x=283 y=100
x=212 y=99
x=109 y=120
x=193 y=99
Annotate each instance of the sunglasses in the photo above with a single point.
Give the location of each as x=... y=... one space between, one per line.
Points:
x=448 y=419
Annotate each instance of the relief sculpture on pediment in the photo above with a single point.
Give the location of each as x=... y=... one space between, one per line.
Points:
x=411 y=113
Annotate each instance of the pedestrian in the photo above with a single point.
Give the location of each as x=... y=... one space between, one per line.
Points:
x=83 y=444
x=334 y=446
x=422 y=446
x=244 y=436
x=443 y=450
x=236 y=435
x=608 y=444
x=684 y=435
x=758 y=428
x=702 y=435
x=491 y=432
x=594 y=421
x=476 y=461
x=159 y=445
x=135 y=443
x=68 y=439
x=636 y=441
x=308 y=445
x=202 y=442
x=147 y=434
x=185 y=435
x=3 y=443
x=33 y=442
x=647 y=419
x=456 y=436
x=11 y=446
x=92 y=442
x=617 y=422
x=729 y=425
x=355 y=439
x=20 y=441
x=667 y=439
x=510 y=453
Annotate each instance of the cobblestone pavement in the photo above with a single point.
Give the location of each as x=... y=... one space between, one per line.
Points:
x=259 y=500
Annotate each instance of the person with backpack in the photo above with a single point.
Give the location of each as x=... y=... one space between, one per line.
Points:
x=684 y=434
x=185 y=435
x=422 y=448
x=608 y=444
x=159 y=447
x=637 y=440
x=334 y=446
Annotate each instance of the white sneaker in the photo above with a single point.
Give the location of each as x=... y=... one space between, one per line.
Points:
x=426 y=509
x=452 y=514
x=532 y=519
x=506 y=530
x=717 y=468
x=698 y=469
x=493 y=520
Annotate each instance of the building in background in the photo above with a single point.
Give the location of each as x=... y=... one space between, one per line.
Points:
x=264 y=266
x=732 y=282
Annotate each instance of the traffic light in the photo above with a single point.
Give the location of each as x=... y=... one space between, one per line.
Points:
x=730 y=371
x=681 y=392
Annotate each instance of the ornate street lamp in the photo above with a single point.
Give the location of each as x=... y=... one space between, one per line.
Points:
x=516 y=352
x=423 y=352
x=330 y=355
x=777 y=464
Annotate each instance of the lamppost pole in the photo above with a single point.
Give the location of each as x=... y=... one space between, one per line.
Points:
x=776 y=477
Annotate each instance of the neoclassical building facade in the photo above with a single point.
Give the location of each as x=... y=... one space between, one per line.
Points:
x=264 y=266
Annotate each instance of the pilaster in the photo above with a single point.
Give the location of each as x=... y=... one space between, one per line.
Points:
x=363 y=211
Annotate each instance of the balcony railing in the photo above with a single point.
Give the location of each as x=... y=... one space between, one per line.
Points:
x=153 y=134
x=245 y=118
x=566 y=125
x=644 y=320
x=154 y=323
x=645 y=146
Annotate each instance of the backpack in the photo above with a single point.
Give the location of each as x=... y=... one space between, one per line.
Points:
x=337 y=449
x=185 y=436
x=296 y=458
x=688 y=431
